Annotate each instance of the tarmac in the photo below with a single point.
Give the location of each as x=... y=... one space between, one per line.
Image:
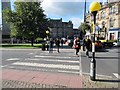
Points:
x=13 y=78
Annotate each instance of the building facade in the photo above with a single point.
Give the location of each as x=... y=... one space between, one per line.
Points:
x=59 y=29
x=107 y=19
x=5 y=26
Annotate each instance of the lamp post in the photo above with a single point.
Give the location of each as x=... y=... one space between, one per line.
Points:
x=94 y=8
x=47 y=32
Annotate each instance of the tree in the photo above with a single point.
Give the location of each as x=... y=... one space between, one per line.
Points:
x=83 y=28
x=28 y=20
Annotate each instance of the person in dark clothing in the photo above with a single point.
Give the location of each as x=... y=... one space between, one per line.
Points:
x=51 y=45
x=77 y=45
x=62 y=41
x=88 y=45
x=58 y=44
x=84 y=43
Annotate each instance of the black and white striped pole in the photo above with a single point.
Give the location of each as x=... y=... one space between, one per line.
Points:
x=94 y=8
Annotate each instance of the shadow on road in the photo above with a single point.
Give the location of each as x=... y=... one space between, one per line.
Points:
x=103 y=80
x=102 y=50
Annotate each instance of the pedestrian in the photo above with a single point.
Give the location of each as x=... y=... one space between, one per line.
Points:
x=57 y=44
x=62 y=41
x=77 y=45
x=51 y=45
x=88 y=45
x=84 y=43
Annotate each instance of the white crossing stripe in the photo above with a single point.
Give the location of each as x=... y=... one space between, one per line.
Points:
x=116 y=75
x=30 y=53
x=10 y=59
x=65 y=61
x=54 y=56
x=58 y=66
x=4 y=66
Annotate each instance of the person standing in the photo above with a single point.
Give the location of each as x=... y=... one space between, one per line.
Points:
x=77 y=45
x=88 y=45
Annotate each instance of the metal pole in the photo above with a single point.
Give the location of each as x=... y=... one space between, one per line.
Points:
x=93 y=61
x=85 y=12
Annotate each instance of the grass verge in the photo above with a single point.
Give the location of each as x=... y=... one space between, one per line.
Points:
x=21 y=46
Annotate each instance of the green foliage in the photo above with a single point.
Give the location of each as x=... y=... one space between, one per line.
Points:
x=39 y=39
x=84 y=27
x=28 y=20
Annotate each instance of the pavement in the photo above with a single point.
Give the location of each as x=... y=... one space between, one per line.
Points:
x=34 y=79
x=14 y=78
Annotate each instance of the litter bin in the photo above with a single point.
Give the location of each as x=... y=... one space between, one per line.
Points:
x=43 y=47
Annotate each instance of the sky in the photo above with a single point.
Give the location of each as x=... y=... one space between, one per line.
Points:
x=72 y=10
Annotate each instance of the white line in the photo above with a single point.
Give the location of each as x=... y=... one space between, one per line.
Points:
x=80 y=65
x=68 y=71
x=116 y=75
x=10 y=59
x=65 y=61
x=54 y=56
x=100 y=75
x=48 y=65
x=30 y=53
x=61 y=71
x=4 y=66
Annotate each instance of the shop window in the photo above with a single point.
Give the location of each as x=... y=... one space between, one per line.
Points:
x=112 y=36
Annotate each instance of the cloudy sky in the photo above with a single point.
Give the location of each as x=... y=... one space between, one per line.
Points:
x=67 y=10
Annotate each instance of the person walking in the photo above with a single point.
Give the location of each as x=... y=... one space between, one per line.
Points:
x=88 y=45
x=62 y=41
x=58 y=44
x=84 y=43
x=51 y=45
x=77 y=45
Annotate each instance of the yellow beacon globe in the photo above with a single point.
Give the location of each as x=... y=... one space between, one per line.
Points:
x=95 y=6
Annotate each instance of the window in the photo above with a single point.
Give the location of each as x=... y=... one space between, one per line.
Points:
x=112 y=36
x=112 y=21
x=103 y=15
x=112 y=9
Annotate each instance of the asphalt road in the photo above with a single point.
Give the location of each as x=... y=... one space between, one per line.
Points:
x=64 y=62
x=106 y=62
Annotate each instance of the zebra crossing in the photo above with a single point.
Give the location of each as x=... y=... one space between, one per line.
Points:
x=51 y=62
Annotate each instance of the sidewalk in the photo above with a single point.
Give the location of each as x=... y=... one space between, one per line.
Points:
x=28 y=79
x=35 y=79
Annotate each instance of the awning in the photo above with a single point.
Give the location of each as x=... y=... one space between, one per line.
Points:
x=114 y=29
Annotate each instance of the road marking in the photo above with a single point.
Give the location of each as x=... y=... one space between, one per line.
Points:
x=10 y=59
x=63 y=71
x=30 y=53
x=80 y=65
x=4 y=66
x=54 y=56
x=58 y=66
x=100 y=75
x=65 y=61
x=116 y=75
x=60 y=71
